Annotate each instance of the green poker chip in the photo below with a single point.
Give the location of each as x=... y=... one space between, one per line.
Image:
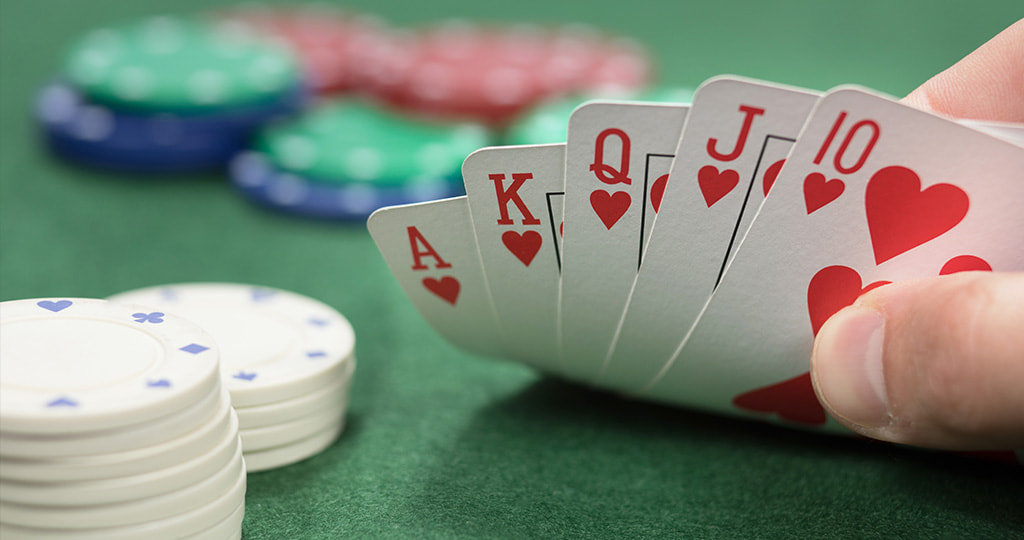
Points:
x=175 y=64
x=353 y=142
x=548 y=122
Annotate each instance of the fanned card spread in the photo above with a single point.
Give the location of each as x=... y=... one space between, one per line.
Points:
x=689 y=253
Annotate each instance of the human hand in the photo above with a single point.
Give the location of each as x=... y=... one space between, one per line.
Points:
x=939 y=361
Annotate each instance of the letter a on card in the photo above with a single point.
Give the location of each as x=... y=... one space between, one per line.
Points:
x=431 y=250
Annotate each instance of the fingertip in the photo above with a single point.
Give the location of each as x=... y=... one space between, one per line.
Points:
x=847 y=370
x=936 y=362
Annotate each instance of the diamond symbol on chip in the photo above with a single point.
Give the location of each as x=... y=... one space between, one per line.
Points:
x=193 y=348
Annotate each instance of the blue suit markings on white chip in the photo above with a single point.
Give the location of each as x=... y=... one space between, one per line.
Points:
x=194 y=348
x=162 y=383
x=62 y=401
x=243 y=376
x=259 y=294
x=54 y=306
x=155 y=317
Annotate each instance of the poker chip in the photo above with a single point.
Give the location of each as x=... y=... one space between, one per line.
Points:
x=94 y=134
x=206 y=522
x=334 y=47
x=130 y=512
x=143 y=365
x=123 y=488
x=344 y=160
x=287 y=359
x=491 y=73
x=113 y=424
x=547 y=122
x=348 y=142
x=36 y=468
x=279 y=456
x=150 y=432
x=260 y=182
x=262 y=438
x=334 y=394
x=170 y=64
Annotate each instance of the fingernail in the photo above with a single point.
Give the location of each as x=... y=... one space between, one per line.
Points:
x=847 y=366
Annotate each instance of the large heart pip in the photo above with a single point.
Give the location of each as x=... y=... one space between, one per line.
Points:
x=902 y=216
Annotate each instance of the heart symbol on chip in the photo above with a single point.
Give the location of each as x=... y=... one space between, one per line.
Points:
x=819 y=191
x=792 y=400
x=609 y=206
x=447 y=288
x=714 y=185
x=59 y=305
x=658 y=191
x=524 y=246
x=902 y=216
x=771 y=175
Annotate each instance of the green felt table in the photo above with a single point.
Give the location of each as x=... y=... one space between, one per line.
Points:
x=443 y=444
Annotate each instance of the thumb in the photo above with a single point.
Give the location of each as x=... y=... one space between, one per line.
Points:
x=988 y=84
x=935 y=362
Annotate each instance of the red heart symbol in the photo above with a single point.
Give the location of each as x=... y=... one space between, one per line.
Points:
x=771 y=174
x=715 y=185
x=792 y=400
x=447 y=288
x=658 y=191
x=524 y=246
x=832 y=289
x=901 y=216
x=609 y=207
x=964 y=263
x=818 y=191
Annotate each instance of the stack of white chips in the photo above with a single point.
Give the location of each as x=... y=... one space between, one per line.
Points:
x=114 y=424
x=286 y=359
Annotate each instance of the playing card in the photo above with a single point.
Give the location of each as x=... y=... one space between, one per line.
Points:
x=873 y=192
x=431 y=250
x=614 y=178
x=733 y=145
x=1007 y=131
x=514 y=192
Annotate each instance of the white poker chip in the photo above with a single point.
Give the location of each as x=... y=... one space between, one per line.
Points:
x=156 y=431
x=132 y=512
x=275 y=344
x=74 y=365
x=124 y=463
x=262 y=438
x=229 y=506
x=124 y=488
x=280 y=456
x=335 y=394
x=230 y=528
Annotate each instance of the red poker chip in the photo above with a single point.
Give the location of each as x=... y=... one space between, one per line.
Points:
x=333 y=46
x=491 y=73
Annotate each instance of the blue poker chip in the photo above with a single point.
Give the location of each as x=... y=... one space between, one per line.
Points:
x=100 y=136
x=261 y=182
